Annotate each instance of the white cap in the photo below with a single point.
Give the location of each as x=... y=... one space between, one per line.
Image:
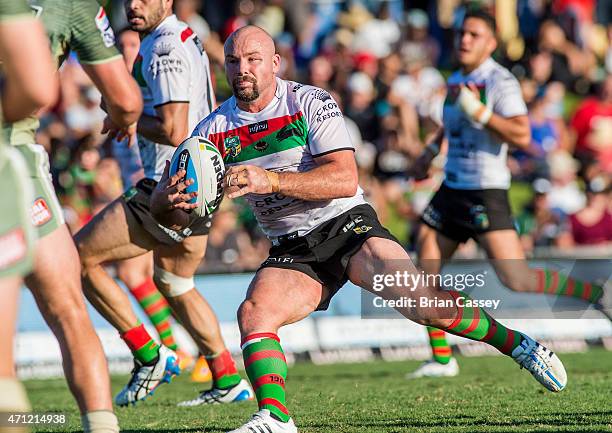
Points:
x=360 y=82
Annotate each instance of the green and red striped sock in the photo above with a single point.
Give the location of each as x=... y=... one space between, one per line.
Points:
x=266 y=367
x=143 y=347
x=556 y=283
x=223 y=369
x=440 y=348
x=158 y=310
x=474 y=323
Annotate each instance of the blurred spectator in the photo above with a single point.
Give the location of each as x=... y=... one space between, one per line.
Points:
x=417 y=36
x=592 y=127
x=565 y=193
x=421 y=85
x=187 y=11
x=229 y=248
x=548 y=134
x=539 y=225
x=377 y=35
x=284 y=47
x=593 y=224
x=360 y=108
x=320 y=72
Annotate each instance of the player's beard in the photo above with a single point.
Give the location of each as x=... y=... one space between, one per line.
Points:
x=246 y=94
x=150 y=21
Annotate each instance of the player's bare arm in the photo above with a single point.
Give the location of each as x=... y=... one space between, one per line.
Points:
x=512 y=130
x=334 y=177
x=29 y=85
x=169 y=127
x=119 y=90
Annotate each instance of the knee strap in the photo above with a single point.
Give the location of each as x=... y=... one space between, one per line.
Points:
x=176 y=285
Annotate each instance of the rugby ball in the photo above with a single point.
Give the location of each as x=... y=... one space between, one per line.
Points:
x=204 y=164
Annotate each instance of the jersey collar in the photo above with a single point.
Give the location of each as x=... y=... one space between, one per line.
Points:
x=281 y=89
x=484 y=66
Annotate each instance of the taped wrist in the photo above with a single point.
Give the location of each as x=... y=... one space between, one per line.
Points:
x=274 y=180
x=471 y=105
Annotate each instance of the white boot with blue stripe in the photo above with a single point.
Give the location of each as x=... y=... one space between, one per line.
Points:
x=542 y=363
x=240 y=392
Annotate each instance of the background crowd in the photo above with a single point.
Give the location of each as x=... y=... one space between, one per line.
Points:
x=385 y=62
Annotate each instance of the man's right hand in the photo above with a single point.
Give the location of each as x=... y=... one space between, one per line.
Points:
x=419 y=169
x=120 y=134
x=168 y=203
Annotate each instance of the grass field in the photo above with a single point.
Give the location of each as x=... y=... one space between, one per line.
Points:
x=491 y=395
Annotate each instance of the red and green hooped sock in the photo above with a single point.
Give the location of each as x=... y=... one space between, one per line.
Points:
x=556 y=283
x=474 y=323
x=266 y=367
x=440 y=349
x=143 y=347
x=223 y=370
x=158 y=310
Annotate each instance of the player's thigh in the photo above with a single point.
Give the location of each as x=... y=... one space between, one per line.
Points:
x=113 y=234
x=379 y=257
x=383 y=268
x=182 y=258
x=136 y=270
x=278 y=297
x=504 y=249
x=45 y=211
x=432 y=248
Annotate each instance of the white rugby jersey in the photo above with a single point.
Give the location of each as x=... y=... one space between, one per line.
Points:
x=171 y=66
x=476 y=158
x=300 y=123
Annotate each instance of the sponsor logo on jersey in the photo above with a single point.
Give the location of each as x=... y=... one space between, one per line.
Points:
x=40 y=213
x=13 y=247
x=261 y=146
x=362 y=229
x=232 y=146
x=297 y=87
x=174 y=235
x=164 y=65
x=322 y=95
x=278 y=259
x=262 y=126
x=164 y=33
x=288 y=131
x=327 y=111
x=480 y=218
x=162 y=49
x=103 y=24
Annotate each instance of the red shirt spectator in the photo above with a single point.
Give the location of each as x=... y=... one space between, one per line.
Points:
x=592 y=124
x=593 y=224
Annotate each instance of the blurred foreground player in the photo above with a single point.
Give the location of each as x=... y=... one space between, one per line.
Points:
x=81 y=26
x=290 y=155
x=29 y=84
x=173 y=74
x=484 y=112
